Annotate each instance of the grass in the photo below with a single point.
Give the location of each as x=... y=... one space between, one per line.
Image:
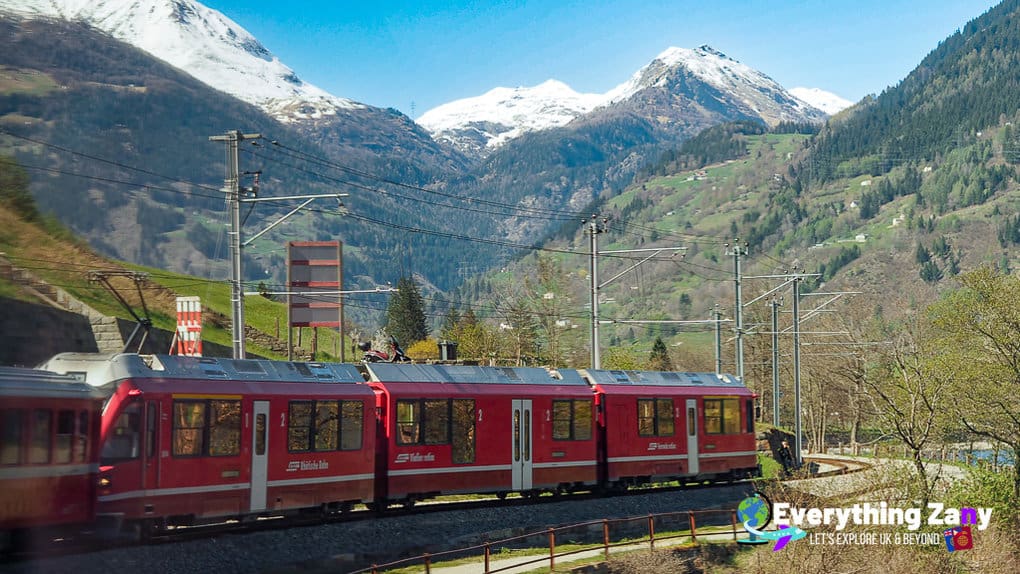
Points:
x=55 y=257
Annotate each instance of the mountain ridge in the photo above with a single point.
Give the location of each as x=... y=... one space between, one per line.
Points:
x=479 y=124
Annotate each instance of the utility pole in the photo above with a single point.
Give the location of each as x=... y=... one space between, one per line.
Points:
x=796 y=369
x=717 y=318
x=775 y=303
x=737 y=252
x=594 y=229
x=232 y=189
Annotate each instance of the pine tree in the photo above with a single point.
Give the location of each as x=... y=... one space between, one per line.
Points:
x=449 y=327
x=405 y=316
x=659 y=359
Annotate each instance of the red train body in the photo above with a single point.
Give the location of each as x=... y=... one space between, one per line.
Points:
x=49 y=430
x=659 y=426
x=454 y=428
x=187 y=440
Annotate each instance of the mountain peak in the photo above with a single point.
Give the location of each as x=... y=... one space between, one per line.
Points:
x=826 y=101
x=198 y=40
x=732 y=83
x=487 y=121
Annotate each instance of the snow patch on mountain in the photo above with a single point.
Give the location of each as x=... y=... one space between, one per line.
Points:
x=502 y=114
x=743 y=84
x=826 y=101
x=485 y=122
x=202 y=42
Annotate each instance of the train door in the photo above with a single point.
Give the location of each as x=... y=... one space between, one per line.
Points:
x=521 y=452
x=150 y=452
x=692 y=436
x=259 y=455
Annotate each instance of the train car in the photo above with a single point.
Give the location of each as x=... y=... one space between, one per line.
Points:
x=659 y=426
x=187 y=440
x=49 y=432
x=466 y=429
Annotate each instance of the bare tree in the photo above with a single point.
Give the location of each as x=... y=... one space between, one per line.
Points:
x=911 y=392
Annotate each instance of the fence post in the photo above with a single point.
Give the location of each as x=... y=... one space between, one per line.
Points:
x=552 y=550
x=488 y=553
x=651 y=532
x=605 y=536
x=428 y=563
x=694 y=536
x=733 y=517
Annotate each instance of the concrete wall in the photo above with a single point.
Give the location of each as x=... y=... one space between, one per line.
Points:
x=30 y=334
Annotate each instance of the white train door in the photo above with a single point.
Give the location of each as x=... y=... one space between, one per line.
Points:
x=521 y=447
x=259 y=455
x=692 y=436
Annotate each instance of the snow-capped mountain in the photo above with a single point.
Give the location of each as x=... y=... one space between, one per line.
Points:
x=828 y=102
x=202 y=42
x=501 y=114
x=707 y=79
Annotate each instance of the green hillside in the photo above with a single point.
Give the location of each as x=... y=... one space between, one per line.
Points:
x=47 y=250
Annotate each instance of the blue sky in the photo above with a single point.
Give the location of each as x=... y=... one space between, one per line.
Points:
x=393 y=53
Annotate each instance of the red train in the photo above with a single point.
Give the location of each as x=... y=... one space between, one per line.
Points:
x=49 y=461
x=188 y=440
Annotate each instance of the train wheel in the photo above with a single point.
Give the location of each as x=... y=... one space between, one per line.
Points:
x=501 y=495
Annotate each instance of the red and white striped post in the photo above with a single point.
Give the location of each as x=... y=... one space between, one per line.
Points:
x=189 y=326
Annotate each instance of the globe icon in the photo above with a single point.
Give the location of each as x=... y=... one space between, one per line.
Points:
x=753 y=511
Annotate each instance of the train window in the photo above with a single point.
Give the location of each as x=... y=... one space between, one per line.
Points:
x=750 y=416
x=10 y=436
x=646 y=417
x=327 y=425
x=571 y=419
x=722 y=416
x=82 y=452
x=408 y=421
x=517 y=435
x=655 y=417
x=664 y=417
x=561 y=420
x=527 y=434
x=299 y=423
x=582 y=420
x=122 y=440
x=713 y=416
x=150 y=430
x=39 y=445
x=260 y=434
x=731 y=416
x=64 y=438
x=463 y=431
x=437 y=421
x=224 y=428
x=352 y=419
x=189 y=428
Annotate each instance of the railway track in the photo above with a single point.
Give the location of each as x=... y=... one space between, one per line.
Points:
x=175 y=535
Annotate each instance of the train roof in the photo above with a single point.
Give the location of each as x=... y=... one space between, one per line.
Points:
x=25 y=382
x=99 y=370
x=471 y=374
x=661 y=379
